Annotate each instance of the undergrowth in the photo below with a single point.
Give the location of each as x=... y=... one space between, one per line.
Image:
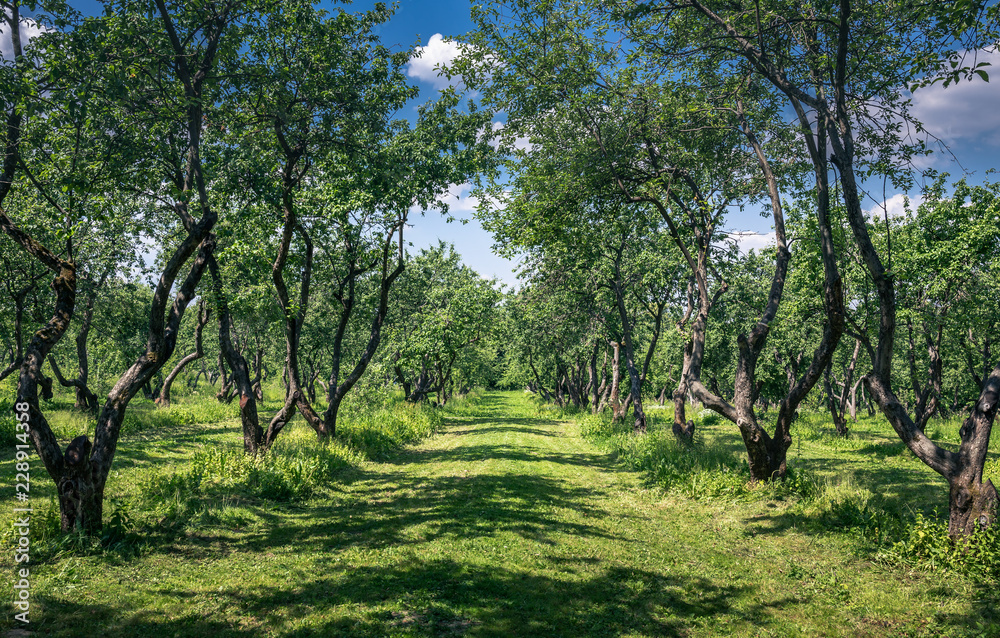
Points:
x=696 y=471
x=882 y=528
x=375 y=433
x=219 y=485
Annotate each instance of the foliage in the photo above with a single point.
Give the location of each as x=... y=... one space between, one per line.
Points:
x=377 y=432
x=694 y=471
x=146 y=417
x=8 y=421
x=926 y=543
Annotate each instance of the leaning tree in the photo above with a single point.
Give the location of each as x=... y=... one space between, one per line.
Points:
x=843 y=67
x=151 y=70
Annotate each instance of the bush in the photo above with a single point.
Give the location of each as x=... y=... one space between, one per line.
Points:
x=138 y=419
x=8 y=423
x=48 y=542
x=291 y=472
x=927 y=544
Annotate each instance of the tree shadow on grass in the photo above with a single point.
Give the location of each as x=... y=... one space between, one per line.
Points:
x=440 y=598
x=399 y=510
x=520 y=426
x=499 y=451
x=895 y=493
x=983 y=619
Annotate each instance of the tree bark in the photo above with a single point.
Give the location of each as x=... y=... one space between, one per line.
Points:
x=337 y=389
x=617 y=410
x=253 y=434
x=163 y=398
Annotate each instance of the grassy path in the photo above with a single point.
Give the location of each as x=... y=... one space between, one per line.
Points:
x=505 y=524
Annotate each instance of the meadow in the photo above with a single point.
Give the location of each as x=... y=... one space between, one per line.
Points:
x=498 y=514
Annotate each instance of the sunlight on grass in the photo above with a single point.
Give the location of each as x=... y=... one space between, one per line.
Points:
x=494 y=517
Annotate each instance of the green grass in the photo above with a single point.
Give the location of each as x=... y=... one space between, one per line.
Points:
x=867 y=485
x=505 y=522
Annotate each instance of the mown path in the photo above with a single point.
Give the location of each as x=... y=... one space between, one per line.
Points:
x=506 y=523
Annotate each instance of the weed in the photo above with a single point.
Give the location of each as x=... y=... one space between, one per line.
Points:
x=696 y=471
x=139 y=418
x=8 y=423
x=926 y=543
x=376 y=433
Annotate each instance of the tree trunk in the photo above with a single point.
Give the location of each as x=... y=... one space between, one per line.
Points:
x=253 y=434
x=295 y=396
x=834 y=404
x=635 y=377
x=617 y=409
x=163 y=399
x=337 y=389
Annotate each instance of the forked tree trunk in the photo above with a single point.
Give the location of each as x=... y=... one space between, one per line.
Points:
x=337 y=389
x=295 y=395
x=86 y=400
x=972 y=503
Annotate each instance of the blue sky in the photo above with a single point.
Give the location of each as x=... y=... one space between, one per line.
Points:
x=965 y=116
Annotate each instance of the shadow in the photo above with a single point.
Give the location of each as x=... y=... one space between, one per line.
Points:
x=521 y=453
x=984 y=617
x=438 y=598
x=897 y=493
x=884 y=450
x=380 y=510
x=505 y=428
x=134 y=450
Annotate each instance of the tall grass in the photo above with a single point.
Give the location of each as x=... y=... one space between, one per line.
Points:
x=216 y=484
x=377 y=432
x=695 y=471
x=882 y=525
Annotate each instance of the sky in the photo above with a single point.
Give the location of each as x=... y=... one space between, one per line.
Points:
x=965 y=116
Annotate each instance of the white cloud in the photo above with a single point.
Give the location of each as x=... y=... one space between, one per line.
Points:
x=29 y=31
x=965 y=110
x=519 y=143
x=895 y=206
x=459 y=199
x=747 y=240
x=429 y=60
x=461 y=204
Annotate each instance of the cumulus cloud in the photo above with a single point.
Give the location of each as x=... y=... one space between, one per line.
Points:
x=460 y=202
x=429 y=61
x=29 y=31
x=965 y=110
x=519 y=143
x=895 y=206
x=459 y=199
x=747 y=241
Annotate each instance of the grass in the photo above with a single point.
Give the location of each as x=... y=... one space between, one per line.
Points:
x=866 y=485
x=505 y=522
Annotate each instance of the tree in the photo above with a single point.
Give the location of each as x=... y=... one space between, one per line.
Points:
x=445 y=309
x=840 y=66
x=322 y=153
x=686 y=147
x=177 y=54
x=204 y=314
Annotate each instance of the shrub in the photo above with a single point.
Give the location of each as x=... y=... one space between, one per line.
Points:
x=926 y=543
x=138 y=419
x=8 y=423
x=376 y=433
